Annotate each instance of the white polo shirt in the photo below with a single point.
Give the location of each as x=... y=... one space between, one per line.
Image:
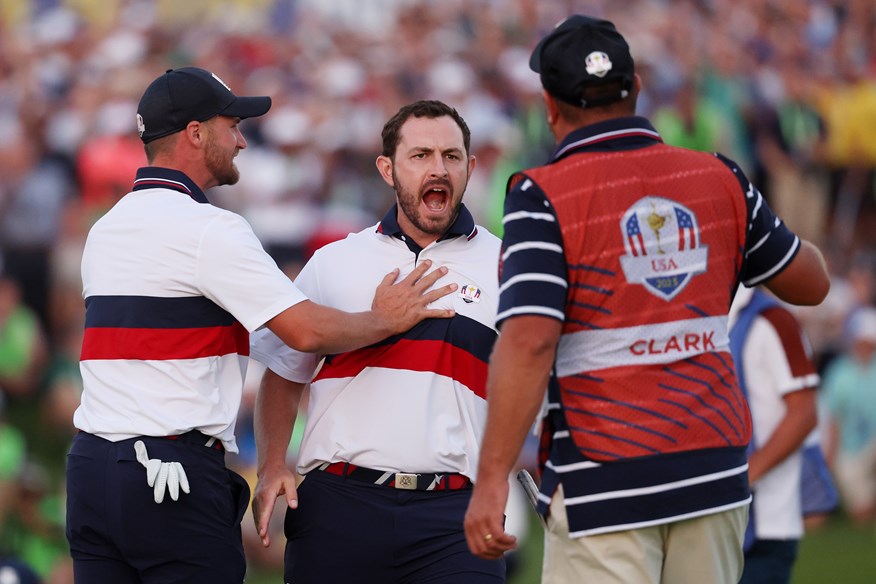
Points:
x=415 y=402
x=172 y=287
x=777 y=362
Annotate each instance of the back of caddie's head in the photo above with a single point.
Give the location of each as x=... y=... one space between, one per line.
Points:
x=188 y=94
x=582 y=60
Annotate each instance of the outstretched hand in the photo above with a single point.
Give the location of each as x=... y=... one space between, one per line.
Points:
x=402 y=305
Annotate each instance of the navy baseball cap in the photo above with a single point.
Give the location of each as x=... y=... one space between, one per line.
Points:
x=180 y=96
x=583 y=52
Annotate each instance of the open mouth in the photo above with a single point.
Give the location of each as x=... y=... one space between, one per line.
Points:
x=436 y=198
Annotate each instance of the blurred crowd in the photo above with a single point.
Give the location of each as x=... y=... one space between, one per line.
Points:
x=788 y=89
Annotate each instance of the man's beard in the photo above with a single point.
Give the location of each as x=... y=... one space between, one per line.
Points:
x=221 y=167
x=410 y=202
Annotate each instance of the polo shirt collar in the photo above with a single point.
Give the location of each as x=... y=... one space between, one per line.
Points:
x=464 y=225
x=625 y=133
x=156 y=177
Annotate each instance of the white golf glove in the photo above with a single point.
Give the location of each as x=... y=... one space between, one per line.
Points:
x=162 y=476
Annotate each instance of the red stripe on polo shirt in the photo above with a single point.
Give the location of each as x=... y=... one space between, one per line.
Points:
x=436 y=357
x=163 y=344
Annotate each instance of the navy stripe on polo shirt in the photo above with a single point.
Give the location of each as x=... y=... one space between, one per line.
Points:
x=154 y=312
x=661 y=497
x=770 y=245
x=458 y=348
x=151 y=328
x=533 y=266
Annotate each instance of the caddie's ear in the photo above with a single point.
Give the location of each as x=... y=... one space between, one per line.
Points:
x=195 y=133
x=384 y=167
x=551 y=110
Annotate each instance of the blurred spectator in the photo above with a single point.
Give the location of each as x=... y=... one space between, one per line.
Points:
x=33 y=529
x=787 y=88
x=22 y=344
x=58 y=398
x=790 y=136
x=778 y=377
x=35 y=189
x=850 y=401
x=107 y=161
x=14 y=571
x=12 y=452
x=690 y=121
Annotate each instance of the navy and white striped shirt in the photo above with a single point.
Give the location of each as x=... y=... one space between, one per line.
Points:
x=536 y=279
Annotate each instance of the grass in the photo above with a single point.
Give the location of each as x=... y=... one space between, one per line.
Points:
x=839 y=553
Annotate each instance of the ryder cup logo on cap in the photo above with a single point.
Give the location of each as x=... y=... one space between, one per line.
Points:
x=190 y=94
x=598 y=64
x=580 y=54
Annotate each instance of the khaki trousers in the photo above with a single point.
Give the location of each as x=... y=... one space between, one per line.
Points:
x=701 y=550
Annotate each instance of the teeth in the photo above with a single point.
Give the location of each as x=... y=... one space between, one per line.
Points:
x=437 y=202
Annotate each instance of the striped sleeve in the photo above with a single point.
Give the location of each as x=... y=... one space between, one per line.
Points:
x=533 y=278
x=769 y=244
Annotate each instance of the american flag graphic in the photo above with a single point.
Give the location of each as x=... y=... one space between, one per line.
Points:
x=634 y=236
x=686 y=231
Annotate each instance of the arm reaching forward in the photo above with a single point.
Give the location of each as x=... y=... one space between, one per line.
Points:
x=520 y=368
x=314 y=328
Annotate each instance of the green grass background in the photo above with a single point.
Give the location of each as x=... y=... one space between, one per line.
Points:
x=838 y=553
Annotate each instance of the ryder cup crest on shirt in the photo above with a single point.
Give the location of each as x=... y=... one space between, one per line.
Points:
x=469 y=293
x=663 y=249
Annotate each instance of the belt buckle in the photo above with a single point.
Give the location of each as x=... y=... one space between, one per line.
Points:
x=406 y=480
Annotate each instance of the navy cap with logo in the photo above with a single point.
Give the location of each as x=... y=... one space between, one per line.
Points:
x=180 y=96
x=583 y=52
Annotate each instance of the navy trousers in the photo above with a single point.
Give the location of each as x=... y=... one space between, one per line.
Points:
x=350 y=531
x=118 y=534
x=769 y=561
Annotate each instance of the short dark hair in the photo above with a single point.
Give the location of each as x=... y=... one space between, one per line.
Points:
x=157 y=147
x=577 y=114
x=420 y=109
